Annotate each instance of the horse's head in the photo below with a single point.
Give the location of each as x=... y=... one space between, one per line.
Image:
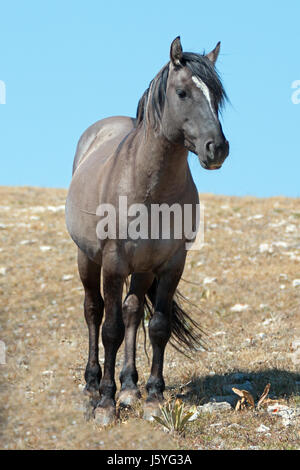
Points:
x=194 y=94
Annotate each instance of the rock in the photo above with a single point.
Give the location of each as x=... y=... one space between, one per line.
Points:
x=194 y=416
x=263 y=306
x=45 y=248
x=289 y=415
x=231 y=399
x=296 y=282
x=295 y=344
x=261 y=335
x=2 y=271
x=56 y=208
x=280 y=244
x=283 y=277
x=239 y=308
x=27 y=242
x=266 y=248
x=67 y=277
x=267 y=321
x=262 y=429
x=209 y=280
x=214 y=406
x=256 y=217
x=291 y=228
x=235 y=426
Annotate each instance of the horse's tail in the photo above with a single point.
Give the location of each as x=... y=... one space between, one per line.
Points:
x=186 y=333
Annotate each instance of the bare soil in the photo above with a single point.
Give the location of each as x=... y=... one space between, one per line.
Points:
x=250 y=259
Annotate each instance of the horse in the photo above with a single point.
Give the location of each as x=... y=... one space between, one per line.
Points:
x=144 y=159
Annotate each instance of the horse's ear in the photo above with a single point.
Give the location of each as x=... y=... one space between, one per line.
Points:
x=176 y=51
x=213 y=55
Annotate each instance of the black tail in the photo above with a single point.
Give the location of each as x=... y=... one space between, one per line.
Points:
x=186 y=332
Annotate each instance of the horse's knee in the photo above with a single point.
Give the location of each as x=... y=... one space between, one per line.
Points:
x=131 y=311
x=160 y=328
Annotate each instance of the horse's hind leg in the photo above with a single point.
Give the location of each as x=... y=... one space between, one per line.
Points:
x=93 y=311
x=133 y=310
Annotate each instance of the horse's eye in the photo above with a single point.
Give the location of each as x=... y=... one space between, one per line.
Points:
x=181 y=93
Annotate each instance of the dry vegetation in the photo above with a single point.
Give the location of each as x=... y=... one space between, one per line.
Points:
x=251 y=258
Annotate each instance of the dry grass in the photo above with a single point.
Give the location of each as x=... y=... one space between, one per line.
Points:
x=43 y=327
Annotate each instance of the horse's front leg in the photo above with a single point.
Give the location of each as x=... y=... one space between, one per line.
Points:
x=112 y=337
x=133 y=311
x=160 y=329
x=93 y=311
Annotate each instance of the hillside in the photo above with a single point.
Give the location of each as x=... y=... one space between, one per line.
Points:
x=245 y=282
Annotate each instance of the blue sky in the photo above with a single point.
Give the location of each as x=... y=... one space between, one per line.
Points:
x=67 y=64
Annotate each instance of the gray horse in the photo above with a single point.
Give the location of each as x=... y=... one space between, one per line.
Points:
x=145 y=161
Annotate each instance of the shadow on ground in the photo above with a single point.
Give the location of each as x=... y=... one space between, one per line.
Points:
x=200 y=390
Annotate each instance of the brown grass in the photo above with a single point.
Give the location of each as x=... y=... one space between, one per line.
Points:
x=42 y=325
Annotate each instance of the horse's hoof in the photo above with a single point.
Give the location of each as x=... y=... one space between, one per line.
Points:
x=129 y=397
x=151 y=409
x=105 y=416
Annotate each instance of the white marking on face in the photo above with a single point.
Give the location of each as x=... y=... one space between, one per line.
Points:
x=200 y=84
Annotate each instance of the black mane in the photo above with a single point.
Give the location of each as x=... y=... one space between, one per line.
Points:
x=151 y=104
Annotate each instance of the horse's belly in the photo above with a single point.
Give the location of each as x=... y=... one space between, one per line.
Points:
x=151 y=255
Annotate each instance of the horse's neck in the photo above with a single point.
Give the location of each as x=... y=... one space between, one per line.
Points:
x=162 y=167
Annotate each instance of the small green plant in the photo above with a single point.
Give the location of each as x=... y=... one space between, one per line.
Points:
x=174 y=418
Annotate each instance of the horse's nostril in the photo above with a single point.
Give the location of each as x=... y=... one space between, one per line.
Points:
x=209 y=145
x=210 y=148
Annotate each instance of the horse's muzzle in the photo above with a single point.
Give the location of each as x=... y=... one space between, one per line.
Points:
x=215 y=155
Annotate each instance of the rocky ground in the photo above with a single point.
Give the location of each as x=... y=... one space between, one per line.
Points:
x=245 y=283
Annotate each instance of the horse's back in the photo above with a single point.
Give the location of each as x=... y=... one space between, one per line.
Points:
x=96 y=145
x=106 y=132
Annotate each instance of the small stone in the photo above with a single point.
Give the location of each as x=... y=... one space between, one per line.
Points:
x=296 y=344
x=263 y=429
x=291 y=228
x=266 y=248
x=67 y=277
x=27 y=242
x=261 y=335
x=239 y=308
x=268 y=321
x=263 y=306
x=209 y=280
x=231 y=399
x=47 y=372
x=194 y=416
x=2 y=271
x=256 y=217
x=235 y=426
x=214 y=406
x=280 y=244
x=45 y=248
x=296 y=282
